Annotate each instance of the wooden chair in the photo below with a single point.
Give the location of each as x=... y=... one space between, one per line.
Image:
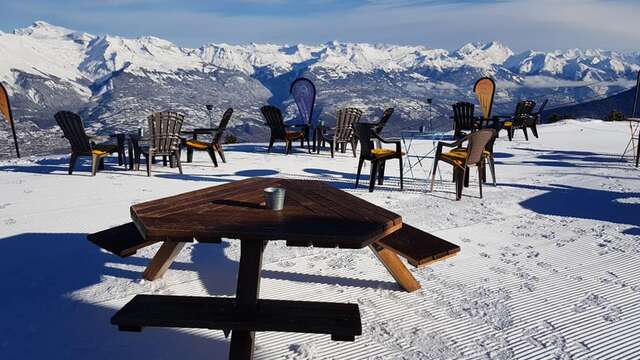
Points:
x=216 y=141
x=81 y=144
x=274 y=119
x=164 y=138
x=342 y=134
x=462 y=159
x=464 y=119
x=366 y=135
x=521 y=119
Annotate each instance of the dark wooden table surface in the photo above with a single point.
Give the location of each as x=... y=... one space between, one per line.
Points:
x=314 y=213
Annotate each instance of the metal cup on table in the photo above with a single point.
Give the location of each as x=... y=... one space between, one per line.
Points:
x=274 y=198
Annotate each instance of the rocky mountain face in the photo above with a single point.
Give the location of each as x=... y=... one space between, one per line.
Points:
x=115 y=82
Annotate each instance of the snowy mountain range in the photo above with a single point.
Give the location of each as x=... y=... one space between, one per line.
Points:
x=114 y=82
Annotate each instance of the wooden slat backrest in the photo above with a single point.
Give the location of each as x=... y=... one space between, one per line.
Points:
x=364 y=133
x=463 y=115
x=524 y=110
x=164 y=131
x=274 y=120
x=383 y=120
x=485 y=89
x=73 y=129
x=222 y=126
x=477 y=143
x=344 y=123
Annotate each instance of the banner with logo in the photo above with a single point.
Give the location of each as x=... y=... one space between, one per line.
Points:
x=304 y=94
x=5 y=109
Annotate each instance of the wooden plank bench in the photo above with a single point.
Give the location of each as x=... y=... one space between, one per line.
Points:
x=418 y=247
x=124 y=240
x=341 y=321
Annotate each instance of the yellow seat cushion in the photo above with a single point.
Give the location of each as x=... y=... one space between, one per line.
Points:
x=102 y=149
x=383 y=152
x=458 y=156
x=198 y=145
x=508 y=123
x=294 y=134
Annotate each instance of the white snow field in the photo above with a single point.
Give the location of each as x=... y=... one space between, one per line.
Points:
x=548 y=267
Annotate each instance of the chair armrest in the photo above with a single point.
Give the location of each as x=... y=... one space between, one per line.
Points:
x=389 y=141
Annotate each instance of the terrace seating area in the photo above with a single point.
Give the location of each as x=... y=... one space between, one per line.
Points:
x=316 y=209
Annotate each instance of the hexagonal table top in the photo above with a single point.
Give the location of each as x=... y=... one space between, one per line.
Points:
x=315 y=213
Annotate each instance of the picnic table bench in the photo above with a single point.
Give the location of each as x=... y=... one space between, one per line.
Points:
x=315 y=214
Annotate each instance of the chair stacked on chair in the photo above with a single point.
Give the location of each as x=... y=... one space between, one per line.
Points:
x=164 y=138
x=461 y=159
x=343 y=133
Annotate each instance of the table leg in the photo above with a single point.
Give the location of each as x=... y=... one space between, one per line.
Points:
x=248 y=289
x=130 y=153
x=162 y=260
x=396 y=268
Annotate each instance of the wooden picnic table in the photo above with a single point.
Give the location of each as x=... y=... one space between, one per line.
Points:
x=315 y=214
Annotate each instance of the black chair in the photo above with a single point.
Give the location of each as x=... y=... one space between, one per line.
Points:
x=464 y=119
x=522 y=119
x=216 y=141
x=274 y=119
x=81 y=144
x=379 y=126
x=366 y=134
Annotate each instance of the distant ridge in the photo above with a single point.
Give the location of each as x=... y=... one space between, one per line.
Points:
x=597 y=109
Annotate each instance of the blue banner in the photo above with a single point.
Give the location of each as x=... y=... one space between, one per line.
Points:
x=304 y=94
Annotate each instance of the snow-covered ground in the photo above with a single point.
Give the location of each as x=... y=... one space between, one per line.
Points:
x=548 y=267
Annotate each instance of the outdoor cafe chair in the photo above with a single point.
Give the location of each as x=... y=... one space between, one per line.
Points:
x=523 y=118
x=216 y=141
x=462 y=159
x=366 y=135
x=164 y=139
x=81 y=144
x=342 y=134
x=464 y=119
x=274 y=119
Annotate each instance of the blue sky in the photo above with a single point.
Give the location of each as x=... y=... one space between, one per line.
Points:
x=520 y=24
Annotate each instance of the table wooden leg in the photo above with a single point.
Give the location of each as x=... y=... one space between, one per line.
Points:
x=248 y=290
x=130 y=153
x=396 y=268
x=162 y=260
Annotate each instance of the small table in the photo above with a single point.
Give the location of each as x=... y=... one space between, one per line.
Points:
x=315 y=214
x=407 y=137
x=131 y=139
x=198 y=131
x=634 y=139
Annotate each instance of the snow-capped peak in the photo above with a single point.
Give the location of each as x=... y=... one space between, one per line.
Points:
x=483 y=55
x=43 y=30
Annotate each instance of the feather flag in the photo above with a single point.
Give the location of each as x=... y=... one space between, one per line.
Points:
x=5 y=110
x=304 y=94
